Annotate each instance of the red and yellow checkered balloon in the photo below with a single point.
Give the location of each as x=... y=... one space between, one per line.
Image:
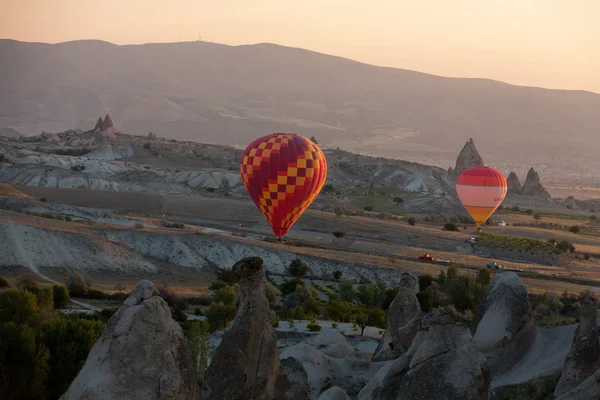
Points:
x=283 y=173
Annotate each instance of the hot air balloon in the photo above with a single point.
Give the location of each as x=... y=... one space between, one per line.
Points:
x=283 y=173
x=481 y=190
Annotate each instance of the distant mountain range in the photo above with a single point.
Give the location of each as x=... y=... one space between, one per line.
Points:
x=214 y=93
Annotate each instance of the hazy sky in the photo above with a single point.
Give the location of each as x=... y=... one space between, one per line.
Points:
x=548 y=43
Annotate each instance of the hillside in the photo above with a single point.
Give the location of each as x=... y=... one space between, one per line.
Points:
x=214 y=93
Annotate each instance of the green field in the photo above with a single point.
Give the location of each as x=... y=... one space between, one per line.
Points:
x=378 y=204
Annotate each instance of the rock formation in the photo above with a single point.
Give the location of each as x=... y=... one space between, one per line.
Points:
x=334 y=393
x=142 y=354
x=350 y=373
x=442 y=363
x=584 y=357
x=297 y=377
x=152 y=136
x=514 y=184
x=105 y=130
x=403 y=319
x=533 y=187
x=468 y=158
x=503 y=324
x=570 y=202
x=331 y=342
x=588 y=389
x=246 y=364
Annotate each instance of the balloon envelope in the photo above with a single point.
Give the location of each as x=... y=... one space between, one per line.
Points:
x=481 y=190
x=283 y=173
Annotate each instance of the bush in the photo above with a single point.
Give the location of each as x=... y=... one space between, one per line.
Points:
x=146 y=146
x=314 y=326
x=228 y=276
x=61 y=296
x=68 y=218
x=18 y=306
x=78 y=285
x=23 y=362
x=339 y=234
x=412 y=221
x=450 y=226
x=218 y=284
x=298 y=269
x=3 y=283
x=425 y=301
x=484 y=276
x=43 y=199
x=225 y=295
x=138 y=225
x=337 y=275
x=398 y=200
x=575 y=229
x=424 y=281
x=587 y=256
x=78 y=168
x=334 y=325
x=368 y=208
x=219 y=315
x=46 y=299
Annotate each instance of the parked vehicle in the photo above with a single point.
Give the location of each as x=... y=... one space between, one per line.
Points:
x=426 y=257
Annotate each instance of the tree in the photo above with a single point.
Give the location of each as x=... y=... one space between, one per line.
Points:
x=119 y=287
x=78 y=285
x=225 y=295
x=484 y=276
x=61 y=296
x=69 y=342
x=529 y=211
x=565 y=246
x=412 y=221
x=298 y=269
x=361 y=320
x=537 y=217
x=450 y=226
x=390 y=295
x=271 y=294
x=398 y=200
x=3 y=283
x=218 y=284
x=452 y=272
x=200 y=351
x=46 y=299
x=338 y=234
x=228 y=276
x=366 y=294
x=288 y=287
x=23 y=363
x=338 y=310
x=441 y=278
x=337 y=275
x=424 y=281
x=346 y=288
x=425 y=301
x=19 y=306
x=219 y=315
x=575 y=229
x=375 y=317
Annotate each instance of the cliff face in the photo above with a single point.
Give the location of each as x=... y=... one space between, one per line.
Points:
x=514 y=184
x=533 y=186
x=468 y=158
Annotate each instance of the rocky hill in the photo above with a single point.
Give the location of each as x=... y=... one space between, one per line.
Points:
x=214 y=93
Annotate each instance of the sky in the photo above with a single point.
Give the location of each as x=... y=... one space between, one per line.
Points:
x=546 y=43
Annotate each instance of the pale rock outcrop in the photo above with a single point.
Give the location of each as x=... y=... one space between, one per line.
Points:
x=514 y=184
x=584 y=357
x=141 y=355
x=503 y=325
x=334 y=393
x=468 y=158
x=442 y=363
x=298 y=379
x=246 y=364
x=533 y=186
x=403 y=319
x=589 y=389
x=331 y=342
x=350 y=373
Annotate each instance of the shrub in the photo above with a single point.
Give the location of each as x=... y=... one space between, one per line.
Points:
x=587 y=256
x=78 y=167
x=484 y=276
x=78 y=285
x=425 y=300
x=43 y=199
x=298 y=269
x=19 y=306
x=424 y=281
x=61 y=296
x=412 y=221
x=146 y=146
x=68 y=218
x=334 y=325
x=398 y=200
x=314 y=326
x=225 y=295
x=23 y=362
x=3 y=283
x=337 y=275
x=291 y=322
x=368 y=208
x=138 y=225
x=339 y=234
x=575 y=229
x=228 y=276
x=450 y=226
x=218 y=284
x=46 y=299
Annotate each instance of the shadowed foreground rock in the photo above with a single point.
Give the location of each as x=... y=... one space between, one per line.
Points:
x=503 y=326
x=584 y=358
x=246 y=364
x=403 y=319
x=141 y=355
x=442 y=363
